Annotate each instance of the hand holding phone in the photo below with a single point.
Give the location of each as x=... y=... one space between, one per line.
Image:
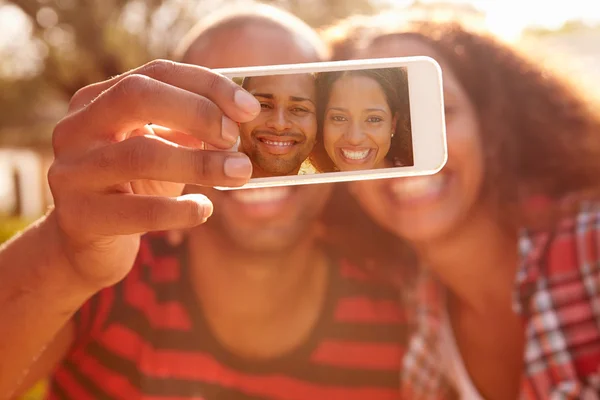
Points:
x=114 y=177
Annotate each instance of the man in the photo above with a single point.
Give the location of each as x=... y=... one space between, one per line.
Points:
x=249 y=306
x=280 y=139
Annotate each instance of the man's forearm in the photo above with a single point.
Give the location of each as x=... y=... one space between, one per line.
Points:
x=38 y=295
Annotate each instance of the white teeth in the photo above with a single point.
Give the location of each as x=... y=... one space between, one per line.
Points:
x=418 y=186
x=264 y=195
x=355 y=155
x=273 y=143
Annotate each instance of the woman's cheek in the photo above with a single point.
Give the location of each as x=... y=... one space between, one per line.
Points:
x=330 y=136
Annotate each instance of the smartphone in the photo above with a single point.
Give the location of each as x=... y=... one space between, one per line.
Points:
x=343 y=121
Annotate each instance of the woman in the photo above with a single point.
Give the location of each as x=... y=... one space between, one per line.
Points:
x=524 y=149
x=364 y=120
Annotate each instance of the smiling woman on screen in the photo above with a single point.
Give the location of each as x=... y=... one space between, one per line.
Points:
x=364 y=120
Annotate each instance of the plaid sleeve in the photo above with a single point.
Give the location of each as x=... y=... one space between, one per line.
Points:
x=422 y=376
x=558 y=296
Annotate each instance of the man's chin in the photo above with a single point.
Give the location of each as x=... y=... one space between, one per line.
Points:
x=267 y=165
x=248 y=207
x=263 y=243
x=266 y=170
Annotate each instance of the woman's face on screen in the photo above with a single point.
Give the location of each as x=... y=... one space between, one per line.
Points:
x=358 y=124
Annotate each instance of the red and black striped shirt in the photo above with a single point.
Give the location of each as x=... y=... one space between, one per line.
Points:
x=146 y=338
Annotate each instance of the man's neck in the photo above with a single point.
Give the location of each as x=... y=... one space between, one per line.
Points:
x=258 y=305
x=477 y=262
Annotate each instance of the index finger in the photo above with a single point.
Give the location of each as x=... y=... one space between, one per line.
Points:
x=232 y=99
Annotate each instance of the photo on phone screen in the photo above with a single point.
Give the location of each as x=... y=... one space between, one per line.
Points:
x=328 y=122
x=350 y=122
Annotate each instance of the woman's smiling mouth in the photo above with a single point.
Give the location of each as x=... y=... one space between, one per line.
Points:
x=355 y=155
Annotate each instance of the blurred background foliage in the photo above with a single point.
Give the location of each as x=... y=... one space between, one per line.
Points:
x=11 y=225
x=51 y=48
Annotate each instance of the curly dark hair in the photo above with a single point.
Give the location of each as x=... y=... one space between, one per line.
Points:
x=394 y=84
x=540 y=137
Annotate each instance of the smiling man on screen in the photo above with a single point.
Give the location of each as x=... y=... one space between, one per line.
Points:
x=283 y=135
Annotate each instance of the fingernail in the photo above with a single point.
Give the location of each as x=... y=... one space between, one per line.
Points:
x=229 y=130
x=246 y=102
x=208 y=210
x=238 y=167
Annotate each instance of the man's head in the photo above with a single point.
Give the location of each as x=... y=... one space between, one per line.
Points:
x=256 y=35
x=261 y=220
x=284 y=133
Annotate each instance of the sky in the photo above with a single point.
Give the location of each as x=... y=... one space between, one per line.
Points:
x=507 y=18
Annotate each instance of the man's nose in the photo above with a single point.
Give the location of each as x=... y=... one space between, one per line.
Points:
x=355 y=135
x=279 y=119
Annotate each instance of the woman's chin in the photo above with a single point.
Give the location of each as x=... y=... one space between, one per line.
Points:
x=421 y=208
x=418 y=192
x=421 y=231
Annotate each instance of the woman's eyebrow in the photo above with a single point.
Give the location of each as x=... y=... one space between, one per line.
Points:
x=376 y=109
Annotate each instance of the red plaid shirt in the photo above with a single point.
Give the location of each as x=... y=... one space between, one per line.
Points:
x=557 y=293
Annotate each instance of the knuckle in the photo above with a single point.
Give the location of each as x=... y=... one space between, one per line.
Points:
x=209 y=165
x=212 y=81
x=131 y=86
x=205 y=110
x=75 y=102
x=79 y=98
x=159 y=69
x=201 y=164
x=56 y=176
x=59 y=137
x=140 y=155
x=105 y=159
